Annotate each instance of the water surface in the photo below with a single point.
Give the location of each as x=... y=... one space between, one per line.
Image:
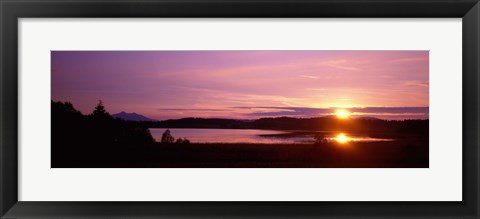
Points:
x=255 y=136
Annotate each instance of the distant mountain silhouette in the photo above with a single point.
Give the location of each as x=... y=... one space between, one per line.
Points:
x=132 y=117
x=327 y=123
x=352 y=117
x=368 y=118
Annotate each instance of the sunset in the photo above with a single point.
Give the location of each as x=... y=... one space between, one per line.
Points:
x=245 y=84
x=240 y=109
x=342 y=113
x=341 y=138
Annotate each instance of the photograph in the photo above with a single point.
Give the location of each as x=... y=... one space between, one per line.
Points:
x=240 y=109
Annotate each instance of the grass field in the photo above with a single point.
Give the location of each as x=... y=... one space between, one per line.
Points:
x=403 y=153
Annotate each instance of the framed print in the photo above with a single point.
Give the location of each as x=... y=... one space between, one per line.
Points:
x=306 y=120
x=239 y=109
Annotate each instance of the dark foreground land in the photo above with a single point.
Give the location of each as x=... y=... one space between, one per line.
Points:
x=99 y=141
x=393 y=154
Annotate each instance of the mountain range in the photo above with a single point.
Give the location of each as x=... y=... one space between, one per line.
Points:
x=132 y=117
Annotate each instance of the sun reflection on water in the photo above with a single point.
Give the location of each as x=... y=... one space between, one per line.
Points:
x=342 y=138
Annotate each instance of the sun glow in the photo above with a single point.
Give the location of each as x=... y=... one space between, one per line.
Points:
x=341 y=138
x=342 y=114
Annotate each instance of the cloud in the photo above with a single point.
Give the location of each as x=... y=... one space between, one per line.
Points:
x=316 y=89
x=309 y=76
x=193 y=109
x=416 y=84
x=294 y=66
x=378 y=112
x=415 y=59
x=339 y=64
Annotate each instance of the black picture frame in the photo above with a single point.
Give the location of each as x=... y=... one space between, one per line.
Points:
x=12 y=10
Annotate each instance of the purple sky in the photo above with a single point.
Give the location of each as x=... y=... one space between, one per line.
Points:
x=244 y=84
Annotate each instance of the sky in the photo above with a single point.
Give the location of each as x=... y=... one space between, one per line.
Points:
x=244 y=84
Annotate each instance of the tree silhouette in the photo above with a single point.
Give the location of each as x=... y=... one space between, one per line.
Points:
x=182 y=141
x=100 y=110
x=320 y=139
x=167 y=137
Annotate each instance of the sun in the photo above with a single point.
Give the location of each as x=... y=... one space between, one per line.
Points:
x=342 y=114
x=341 y=138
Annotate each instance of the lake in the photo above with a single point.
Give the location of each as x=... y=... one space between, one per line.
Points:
x=256 y=136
